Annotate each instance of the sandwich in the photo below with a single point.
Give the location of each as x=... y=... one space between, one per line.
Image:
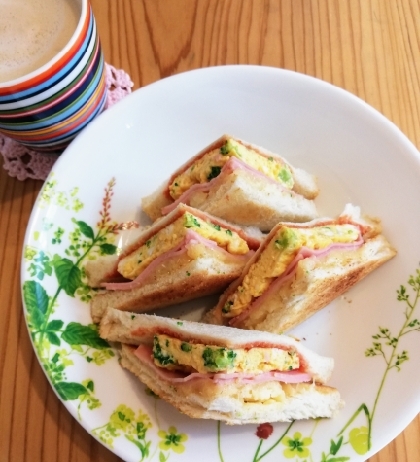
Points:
x=185 y=255
x=223 y=373
x=241 y=183
x=299 y=269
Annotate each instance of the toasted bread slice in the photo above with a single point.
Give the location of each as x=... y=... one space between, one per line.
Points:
x=314 y=283
x=248 y=200
x=105 y=269
x=178 y=280
x=317 y=282
x=238 y=403
x=244 y=398
x=184 y=271
x=137 y=329
x=275 y=201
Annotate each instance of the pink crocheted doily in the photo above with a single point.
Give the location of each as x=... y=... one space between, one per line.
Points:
x=23 y=163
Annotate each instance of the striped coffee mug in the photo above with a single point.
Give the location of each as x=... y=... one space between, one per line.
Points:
x=46 y=108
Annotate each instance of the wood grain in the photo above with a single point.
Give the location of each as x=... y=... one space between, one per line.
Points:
x=369 y=47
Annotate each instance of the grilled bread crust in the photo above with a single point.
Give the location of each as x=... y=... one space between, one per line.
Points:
x=316 y=283
x=305 y=185
x=249 y=200
x=178 y=279
x=105 y=269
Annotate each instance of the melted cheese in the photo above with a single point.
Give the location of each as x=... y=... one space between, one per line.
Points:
x=209 y=166
x=173 y=353
x=276 y=257
x=169 y=237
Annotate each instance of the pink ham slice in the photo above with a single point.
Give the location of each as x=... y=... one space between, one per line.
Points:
x=290 y=271
x=231 y=165
x=191 y=238
x=278 y=376
x=145 y=353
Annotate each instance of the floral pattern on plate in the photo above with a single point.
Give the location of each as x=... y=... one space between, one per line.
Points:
x=54 y=259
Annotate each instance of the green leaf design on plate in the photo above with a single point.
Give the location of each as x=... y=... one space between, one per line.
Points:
x=108 y=249
x=335 y=446
x=69 y=390
x=36 y=301
x=52 y=337
x=78 y=334
x=85 y=229
x=56 y=324
x=90 y=386
x=69 y=276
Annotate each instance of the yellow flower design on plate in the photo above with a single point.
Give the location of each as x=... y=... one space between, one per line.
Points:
x=358 y=438
x=296 y=446
x=172 y=440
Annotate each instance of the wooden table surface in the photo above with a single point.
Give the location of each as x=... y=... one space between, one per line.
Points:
x=369 y=47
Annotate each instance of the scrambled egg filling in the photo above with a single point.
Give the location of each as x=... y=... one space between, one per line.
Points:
x=276 y=257
x=169 y=237
x=173 y=353
x=210 y=165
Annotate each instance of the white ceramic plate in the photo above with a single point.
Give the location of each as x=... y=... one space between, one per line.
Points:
x=358 y=156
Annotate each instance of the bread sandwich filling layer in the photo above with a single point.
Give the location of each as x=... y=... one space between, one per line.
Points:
x=176 y=354
x=209 y=166
x=278 y=256
x=173 y=235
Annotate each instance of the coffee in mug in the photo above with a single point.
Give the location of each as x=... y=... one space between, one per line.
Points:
x=32 y=32
x=52 y=72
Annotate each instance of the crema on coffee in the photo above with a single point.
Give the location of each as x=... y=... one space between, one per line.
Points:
x=32 y=32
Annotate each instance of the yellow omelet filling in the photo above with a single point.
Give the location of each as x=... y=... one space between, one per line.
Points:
x=173 y=353
x=170 y=236
x=209 y=166
x=276 y=257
